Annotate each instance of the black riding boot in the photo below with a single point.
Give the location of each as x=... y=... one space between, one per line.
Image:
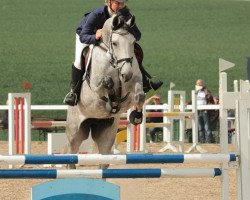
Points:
x=148 y=85
x=73 y=96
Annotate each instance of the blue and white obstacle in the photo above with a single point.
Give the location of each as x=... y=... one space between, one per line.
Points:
x=110 y=173
x=90 y=159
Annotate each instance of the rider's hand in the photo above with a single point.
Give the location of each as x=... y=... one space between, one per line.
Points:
x=98 y=34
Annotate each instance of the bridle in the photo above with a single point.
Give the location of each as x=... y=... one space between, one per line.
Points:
x=114 y=61
x=115 y=100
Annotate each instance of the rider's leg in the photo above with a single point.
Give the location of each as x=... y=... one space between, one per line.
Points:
x=76 y=82
x=147 y=83
x=78 y=70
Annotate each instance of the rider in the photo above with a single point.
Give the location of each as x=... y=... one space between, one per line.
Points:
x=89 y=32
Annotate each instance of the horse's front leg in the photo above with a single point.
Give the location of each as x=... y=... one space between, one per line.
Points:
x=101 y=83
x=112 y=105
x=135 y=116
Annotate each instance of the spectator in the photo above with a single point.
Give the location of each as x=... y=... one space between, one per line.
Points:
x=204 y=97
x=5 y=118
x=214 y=120
x=156 y=101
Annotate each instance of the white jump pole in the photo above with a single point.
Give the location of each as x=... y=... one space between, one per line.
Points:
x=143 y=132
x=243 y=141
x=224 y=136
x=182 y=121
x=195 y=131
x=167 y=131
x=236 y=88
x=227 y=101
x=130 y=139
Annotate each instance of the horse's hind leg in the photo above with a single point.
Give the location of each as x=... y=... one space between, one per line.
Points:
x=104 y=134
x=75 y=138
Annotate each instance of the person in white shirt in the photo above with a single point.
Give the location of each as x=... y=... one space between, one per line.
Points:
x=204 y=126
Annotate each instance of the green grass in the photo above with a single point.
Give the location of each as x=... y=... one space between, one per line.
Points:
x=182 y=41
x=34 y=136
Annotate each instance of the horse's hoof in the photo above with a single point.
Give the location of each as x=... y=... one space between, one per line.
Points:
x=104 y=166
x=71 y=166
x=135 y=117
x=112 y=108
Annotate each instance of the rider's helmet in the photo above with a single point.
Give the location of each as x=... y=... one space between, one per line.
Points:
x=122 y=1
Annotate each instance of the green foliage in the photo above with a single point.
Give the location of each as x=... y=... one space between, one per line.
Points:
x=182 y=41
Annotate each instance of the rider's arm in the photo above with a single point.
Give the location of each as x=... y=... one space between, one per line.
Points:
x=89 y=28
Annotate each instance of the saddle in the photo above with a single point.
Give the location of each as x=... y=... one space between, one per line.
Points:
x=85 y=57
x=86 y=60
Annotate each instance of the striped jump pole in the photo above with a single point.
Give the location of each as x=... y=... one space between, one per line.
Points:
x=169 y=114
x=19 y=121
x=110 y=173
x=90 y=159
x=136 y=135
x=63 y=123
x=150 y=125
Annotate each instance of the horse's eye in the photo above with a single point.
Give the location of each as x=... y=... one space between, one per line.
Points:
x=114 y=44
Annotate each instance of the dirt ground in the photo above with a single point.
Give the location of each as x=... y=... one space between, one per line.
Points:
x=136 y=189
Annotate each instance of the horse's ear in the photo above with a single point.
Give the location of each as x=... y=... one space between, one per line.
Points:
x=131 y=21
x=116 y=22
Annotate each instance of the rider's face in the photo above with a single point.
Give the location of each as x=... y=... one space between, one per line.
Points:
x=115 y=5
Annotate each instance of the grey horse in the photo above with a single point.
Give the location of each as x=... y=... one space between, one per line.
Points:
x=113 y=84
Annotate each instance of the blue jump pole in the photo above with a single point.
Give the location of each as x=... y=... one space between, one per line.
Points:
x=109 y=173
x=90 y=159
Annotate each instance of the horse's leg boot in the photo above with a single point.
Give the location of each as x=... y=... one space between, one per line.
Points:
x=73 y=96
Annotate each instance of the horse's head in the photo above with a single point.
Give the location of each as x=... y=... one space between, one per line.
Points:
x=120 y=43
